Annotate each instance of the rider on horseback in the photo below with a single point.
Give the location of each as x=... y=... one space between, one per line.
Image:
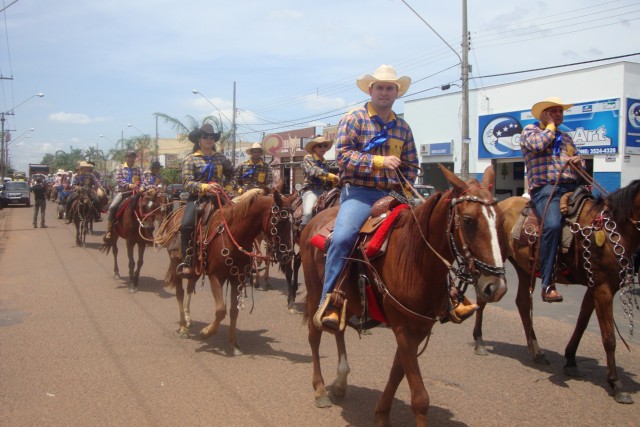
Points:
x=152 y=178
x=83 y=179
x=202 y=170
x=546 y=149
x=127 y=178
x=253 y=173
x=317 y=178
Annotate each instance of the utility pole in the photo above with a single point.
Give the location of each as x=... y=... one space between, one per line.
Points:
x=233 y=125
x=465 y=141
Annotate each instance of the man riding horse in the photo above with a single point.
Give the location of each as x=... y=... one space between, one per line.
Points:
x=127 y=179
x=152 y=178
x=83 y=179
x=254 y=173
x=202 y=170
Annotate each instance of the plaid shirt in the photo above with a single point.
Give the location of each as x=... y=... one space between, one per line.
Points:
x=193 y=167
x=86 y=180
x=314 y=171
x=151 y=180
x=256 y=175
x=125 y=175
x=543 y=167
x=357 y=128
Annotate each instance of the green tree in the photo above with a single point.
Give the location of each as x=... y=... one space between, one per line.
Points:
x=184 y=128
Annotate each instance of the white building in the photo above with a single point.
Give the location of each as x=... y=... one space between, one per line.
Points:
x=604 y=123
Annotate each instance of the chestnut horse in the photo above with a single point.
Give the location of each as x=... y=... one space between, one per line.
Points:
x=604 y=264
x=414 y=275
x=227 y=239
x=135 y=226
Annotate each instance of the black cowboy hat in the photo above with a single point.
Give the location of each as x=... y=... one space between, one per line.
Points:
x=155 y=164
x=206 y=128
x=132 y=153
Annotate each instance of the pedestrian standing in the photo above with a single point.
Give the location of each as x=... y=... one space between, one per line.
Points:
x=40 y=202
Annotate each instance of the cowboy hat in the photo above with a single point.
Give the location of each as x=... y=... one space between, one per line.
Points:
x=132 y=154
x=155 y=164
x=384 y=73
x=84 y=164
x=61 y=171
x=254 y=146
x=318 y=140
x=539 y=107
x=206 y=128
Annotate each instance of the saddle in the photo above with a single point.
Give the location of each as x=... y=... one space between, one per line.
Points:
x=371 y=243
x=526 y=231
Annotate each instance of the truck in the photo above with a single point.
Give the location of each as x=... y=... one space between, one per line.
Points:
x=37 y=169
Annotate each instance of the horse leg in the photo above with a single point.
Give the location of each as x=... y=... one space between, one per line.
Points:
x=383 y=407
x=191 y=287
x=114 y=248
x=523 y=302
x=132 y=264
x=78 y=241
x=265 y=277
x=292 y=283
x=321 y=396
x=136 y=276
x=480 y=348
x=220 y=309
x=234 y=310
x=600 y=298
x=339 y=385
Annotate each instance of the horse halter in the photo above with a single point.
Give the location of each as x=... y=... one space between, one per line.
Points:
x=470 y=266
x=276 y=216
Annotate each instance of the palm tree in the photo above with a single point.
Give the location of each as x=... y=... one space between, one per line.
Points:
x=183 y=129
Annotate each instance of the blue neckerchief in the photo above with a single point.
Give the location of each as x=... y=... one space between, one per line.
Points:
x=153 y=179
x=382 y=136
x=208 y=169
x=249 y=172
x=557 y=141
x=130 y=177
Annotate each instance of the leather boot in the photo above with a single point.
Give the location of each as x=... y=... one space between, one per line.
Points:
x=107 y=236
x=184 y=269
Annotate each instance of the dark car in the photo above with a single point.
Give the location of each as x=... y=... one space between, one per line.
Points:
x=15 y=192
x=175 y=190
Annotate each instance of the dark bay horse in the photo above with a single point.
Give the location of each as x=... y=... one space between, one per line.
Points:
x=602 y=263
x=82 y=214
x=135 y=225
x=227 y=239
x=461 y=224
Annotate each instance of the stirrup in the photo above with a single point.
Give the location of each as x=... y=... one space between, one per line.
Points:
x=180 y=270
x=317 y=317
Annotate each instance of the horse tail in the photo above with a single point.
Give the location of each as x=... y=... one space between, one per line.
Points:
x=171 y=279
x=106 y=247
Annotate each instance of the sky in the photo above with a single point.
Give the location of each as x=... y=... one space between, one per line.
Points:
x=105 y=65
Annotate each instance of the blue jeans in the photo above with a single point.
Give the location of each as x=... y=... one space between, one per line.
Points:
x=355 y=207
x=552 y=227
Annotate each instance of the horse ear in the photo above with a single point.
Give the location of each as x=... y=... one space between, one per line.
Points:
x=488 y=178
x=278 y=198
x=457 y=183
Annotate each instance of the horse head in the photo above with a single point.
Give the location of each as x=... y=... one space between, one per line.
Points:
x=146 y=208
x=474 y=234
x=278 y=227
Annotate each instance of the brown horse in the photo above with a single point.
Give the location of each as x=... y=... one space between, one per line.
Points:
x=135 y=225
x=227 y=239
x=604 y=266
x=414 y=274
x=82 y=214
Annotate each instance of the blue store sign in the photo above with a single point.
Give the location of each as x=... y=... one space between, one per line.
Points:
x=592 y=125
x=633 y=126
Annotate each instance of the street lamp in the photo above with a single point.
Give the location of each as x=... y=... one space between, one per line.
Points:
x=233 y=122
x=3 y=146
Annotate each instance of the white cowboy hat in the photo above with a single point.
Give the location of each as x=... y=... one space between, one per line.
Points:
x=539 y=107
x=317 y=140
x=254 y=146
x=84 y=164
x=384 y=73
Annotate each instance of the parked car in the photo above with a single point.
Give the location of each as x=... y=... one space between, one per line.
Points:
x=15 y=192
x=425 y=190
x=175 y=190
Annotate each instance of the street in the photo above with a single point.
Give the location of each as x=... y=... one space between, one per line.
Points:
x=76 y=348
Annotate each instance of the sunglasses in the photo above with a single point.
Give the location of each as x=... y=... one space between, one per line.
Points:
x=322 y=145
x=209 y=136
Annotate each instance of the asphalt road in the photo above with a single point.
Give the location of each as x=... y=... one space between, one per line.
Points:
x=76 y=348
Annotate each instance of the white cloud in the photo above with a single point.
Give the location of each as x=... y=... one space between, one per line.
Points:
x=74 y=118
x=321 y=103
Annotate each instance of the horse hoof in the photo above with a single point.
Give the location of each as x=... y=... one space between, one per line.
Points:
x=237 y=351
x=481 y=350
x=623 y=397
x=182 y=333
x=323 y=402
x=541 y=359
x=292 y=311
x=116 y=276
x=572 y=371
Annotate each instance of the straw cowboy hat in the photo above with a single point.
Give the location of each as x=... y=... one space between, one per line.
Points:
x=318 y=140
x=254 y=146
x=61 y=171
x=384 y=73
x=84 y=164
x=194 y=135
x=539 y=107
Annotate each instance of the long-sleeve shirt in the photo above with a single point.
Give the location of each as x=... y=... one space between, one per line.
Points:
x=316 y=172
x=86 y=180
x=249 y=175
x=150 y=179
x=126 y=175
x=38 y=191
x=356 y=166
x=543 y=166
x=195 y=171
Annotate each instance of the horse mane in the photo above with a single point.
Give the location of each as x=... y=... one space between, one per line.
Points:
x=242 y=204
x=620 y=202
